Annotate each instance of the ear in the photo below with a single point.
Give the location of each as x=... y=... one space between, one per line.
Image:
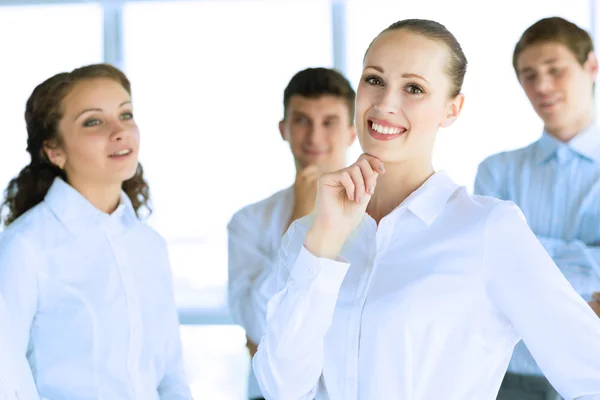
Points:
x=282 y=130
x=591 y=65
x=453 y=110
x=53 y=153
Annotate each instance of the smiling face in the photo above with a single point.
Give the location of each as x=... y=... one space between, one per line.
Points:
x=559 y=88
x=99 y=139
x=319 y=131
x=403 y=97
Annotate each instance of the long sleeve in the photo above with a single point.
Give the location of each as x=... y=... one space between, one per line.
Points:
x=16 y=380
x=289 y=361
x=248 y=268
x=487 y=183
x=559 y=328
x=174 y=384
x=19 y=291
x=574 y=252
x=19 y=286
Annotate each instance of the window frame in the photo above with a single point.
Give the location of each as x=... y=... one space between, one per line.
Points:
x=113 y=54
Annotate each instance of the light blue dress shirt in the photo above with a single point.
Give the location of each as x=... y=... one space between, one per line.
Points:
x=557 y=186
x=91 y=301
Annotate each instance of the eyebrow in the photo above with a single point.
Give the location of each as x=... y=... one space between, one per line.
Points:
x=545 y=62
x=405 y=75
x=296 y=113
x=99 y=109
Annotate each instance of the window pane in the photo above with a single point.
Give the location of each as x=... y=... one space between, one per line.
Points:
x=216 y=360
x=497 y=115
x=208 y=80
x=39 y=41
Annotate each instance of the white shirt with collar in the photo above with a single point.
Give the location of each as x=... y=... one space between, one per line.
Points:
x=91 y=301
x=428 y=306
x=254 y=235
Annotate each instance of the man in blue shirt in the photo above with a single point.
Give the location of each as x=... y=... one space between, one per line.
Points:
x=555 y=180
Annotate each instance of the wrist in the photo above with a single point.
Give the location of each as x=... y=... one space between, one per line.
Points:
x=324 y=243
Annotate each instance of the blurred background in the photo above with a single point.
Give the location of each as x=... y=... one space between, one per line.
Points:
x=208 y=78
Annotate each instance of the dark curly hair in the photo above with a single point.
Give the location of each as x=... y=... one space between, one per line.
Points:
x=43 y=114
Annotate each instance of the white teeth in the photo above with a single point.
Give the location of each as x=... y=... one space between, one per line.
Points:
x=386 y=130
x=122 y=152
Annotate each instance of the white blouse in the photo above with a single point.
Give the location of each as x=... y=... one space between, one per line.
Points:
x=91 y=301
x=428 y=306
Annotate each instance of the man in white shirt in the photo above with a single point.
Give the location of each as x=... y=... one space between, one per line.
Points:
x=16 y=381
x=318 y=125
x=555 y=180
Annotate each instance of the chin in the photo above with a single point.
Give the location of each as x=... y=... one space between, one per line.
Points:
x=127 y=174
x=384 y=153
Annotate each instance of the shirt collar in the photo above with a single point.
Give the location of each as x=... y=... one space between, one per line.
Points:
x=78 y=214
x=586 y=144
x=429 y=200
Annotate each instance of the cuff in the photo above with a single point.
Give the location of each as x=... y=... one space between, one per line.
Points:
x=320 y=275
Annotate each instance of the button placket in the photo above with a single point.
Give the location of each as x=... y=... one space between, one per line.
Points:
x=133 y=311
x=355 y=320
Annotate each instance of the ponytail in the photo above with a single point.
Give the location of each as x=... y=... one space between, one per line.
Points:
x=29 y=188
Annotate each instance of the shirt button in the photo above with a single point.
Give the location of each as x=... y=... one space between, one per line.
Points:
x=311 y=272
x=350 y=382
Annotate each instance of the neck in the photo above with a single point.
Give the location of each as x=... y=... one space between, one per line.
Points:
x=102 y=196
x=397 y=183
x=573 y=128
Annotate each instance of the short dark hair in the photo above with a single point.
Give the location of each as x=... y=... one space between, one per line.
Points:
x=558 y=30
x=457 y=64
x=317 y=82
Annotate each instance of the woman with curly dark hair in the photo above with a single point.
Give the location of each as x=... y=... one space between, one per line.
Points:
x=87 y=284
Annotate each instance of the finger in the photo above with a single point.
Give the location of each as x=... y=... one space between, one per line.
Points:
x=347 y=183
x=359 y=182
x=369 y=176
x=376 y=163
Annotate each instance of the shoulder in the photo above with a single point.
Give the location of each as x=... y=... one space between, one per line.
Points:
x=491 y=209
x=487 y=212
x=505 y=217
x=264 y=211
x=32 y=229
x=505 y=158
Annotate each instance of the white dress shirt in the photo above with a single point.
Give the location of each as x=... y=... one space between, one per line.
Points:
x=16 y=382
x=428 y=306
x=255 y=234
x=91 y=300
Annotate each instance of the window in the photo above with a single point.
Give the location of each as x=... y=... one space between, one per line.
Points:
x=208 y=80
x=39 y=41
x=496 y=116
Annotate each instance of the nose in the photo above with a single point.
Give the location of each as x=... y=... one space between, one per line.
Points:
x=118 y=131
x=388 y=101
x=316 y=134
x=544 y=84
